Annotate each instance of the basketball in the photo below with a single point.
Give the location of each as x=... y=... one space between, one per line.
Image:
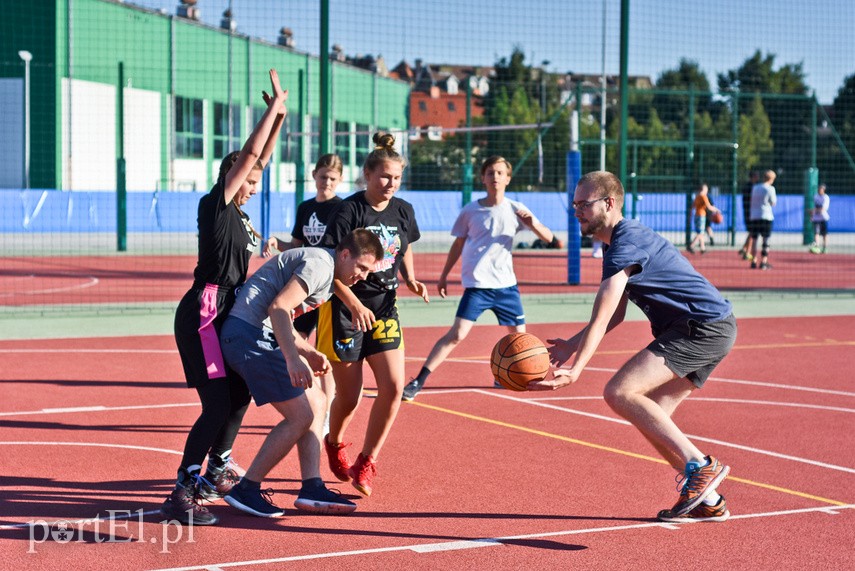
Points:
x=518 y=359
x=717 y=218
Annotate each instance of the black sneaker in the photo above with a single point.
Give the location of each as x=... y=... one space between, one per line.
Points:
x=321 y=500
x=183 y=506
x=753 y=265
x=255 y=502
x=411 y=390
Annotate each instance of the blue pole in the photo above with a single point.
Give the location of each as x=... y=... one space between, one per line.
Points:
x=574 y=235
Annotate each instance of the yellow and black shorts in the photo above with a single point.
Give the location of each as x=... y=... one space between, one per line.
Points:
x=340 y=342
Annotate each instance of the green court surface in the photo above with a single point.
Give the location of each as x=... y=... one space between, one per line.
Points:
x=539 y=309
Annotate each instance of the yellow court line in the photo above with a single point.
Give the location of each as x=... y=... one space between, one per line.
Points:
x=615 y=450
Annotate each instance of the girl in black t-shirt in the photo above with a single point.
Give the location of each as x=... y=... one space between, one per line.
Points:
x=361 y=323
x=226 y=243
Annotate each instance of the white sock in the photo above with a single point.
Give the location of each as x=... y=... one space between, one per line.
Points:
x=712 y=499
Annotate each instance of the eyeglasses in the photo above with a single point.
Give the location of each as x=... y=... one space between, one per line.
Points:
x=588 y=203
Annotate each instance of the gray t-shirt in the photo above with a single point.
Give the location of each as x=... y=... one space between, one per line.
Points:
x=763 y=198
x=314 y=266
x=487 y=260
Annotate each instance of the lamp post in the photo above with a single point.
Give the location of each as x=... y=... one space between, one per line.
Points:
x=27 y=57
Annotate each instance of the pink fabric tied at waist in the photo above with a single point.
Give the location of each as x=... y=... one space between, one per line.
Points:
x=208 y=334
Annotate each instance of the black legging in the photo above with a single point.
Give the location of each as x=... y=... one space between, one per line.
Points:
x=224 y=402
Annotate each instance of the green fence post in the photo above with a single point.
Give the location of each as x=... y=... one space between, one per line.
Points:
x=302 y=141
x=735 y=169
x=812 y=177
x=467 y=158
x=121 y=180
x=811 y=184
x=326 y=83
x=624 y=90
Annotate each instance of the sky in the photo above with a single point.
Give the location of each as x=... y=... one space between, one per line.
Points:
x=568 y=34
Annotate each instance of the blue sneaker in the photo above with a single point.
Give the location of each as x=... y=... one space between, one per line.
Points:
x=321 y=500
x=255 y=502
x=411 y=390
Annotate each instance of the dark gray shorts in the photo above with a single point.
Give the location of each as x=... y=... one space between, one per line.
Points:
x=694 y=351
x=255 y=355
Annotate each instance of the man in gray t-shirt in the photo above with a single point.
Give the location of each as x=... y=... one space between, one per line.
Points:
x=260 y=344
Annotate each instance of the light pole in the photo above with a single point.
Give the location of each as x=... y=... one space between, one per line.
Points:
x=603 y=98
x=27 y=57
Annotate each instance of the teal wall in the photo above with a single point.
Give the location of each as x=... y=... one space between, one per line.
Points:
x=32 y=26
x=105 y=33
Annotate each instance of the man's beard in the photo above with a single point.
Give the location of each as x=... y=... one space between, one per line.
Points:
x=594 y=226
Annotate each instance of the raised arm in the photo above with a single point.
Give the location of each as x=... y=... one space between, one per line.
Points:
x=255 y=145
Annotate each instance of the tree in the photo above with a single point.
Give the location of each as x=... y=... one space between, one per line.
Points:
x=687 y=77
x=834 y=168
x=789 y=116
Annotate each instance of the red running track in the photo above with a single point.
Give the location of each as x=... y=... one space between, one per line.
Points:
x=96 y=280
x=471 y=477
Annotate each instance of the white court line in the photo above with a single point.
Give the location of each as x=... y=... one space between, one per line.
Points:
x=458 y=360
x=486 y=541
x=91 y=283
x=692 y=436
x=89 y=351
x=95 y=445
x=92 y=444
x=134 y=514
x=98 y=409
x=716 y=379
x=716 y=399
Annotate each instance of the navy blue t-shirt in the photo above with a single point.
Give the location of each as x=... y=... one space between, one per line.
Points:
x=667 y=288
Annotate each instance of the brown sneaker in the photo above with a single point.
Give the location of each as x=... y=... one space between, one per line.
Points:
x=214 y=486
x=337 y=456
x=697 y=483
x=183 y=506
x=363 y=472
x=700 y=513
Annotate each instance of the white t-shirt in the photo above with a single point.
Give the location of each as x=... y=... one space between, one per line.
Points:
x=487 y=260
x=763 y=198
x=820 y=208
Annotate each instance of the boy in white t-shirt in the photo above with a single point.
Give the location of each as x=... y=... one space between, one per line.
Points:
x=819 y=217
x=484 y=235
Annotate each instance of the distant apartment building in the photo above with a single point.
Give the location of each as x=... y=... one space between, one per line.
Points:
x=438 y=96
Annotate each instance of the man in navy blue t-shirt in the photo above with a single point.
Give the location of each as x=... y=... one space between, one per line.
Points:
x=694 y=330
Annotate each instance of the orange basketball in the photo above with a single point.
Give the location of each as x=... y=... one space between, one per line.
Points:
x=717 y=218
x=518 y=359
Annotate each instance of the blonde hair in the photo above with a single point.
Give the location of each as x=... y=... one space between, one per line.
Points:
x=384 y=150
x=329 y=161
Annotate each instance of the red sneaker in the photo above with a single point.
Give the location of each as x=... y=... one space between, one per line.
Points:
x=697 y=483
x=337 y=456
x=362 y=472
